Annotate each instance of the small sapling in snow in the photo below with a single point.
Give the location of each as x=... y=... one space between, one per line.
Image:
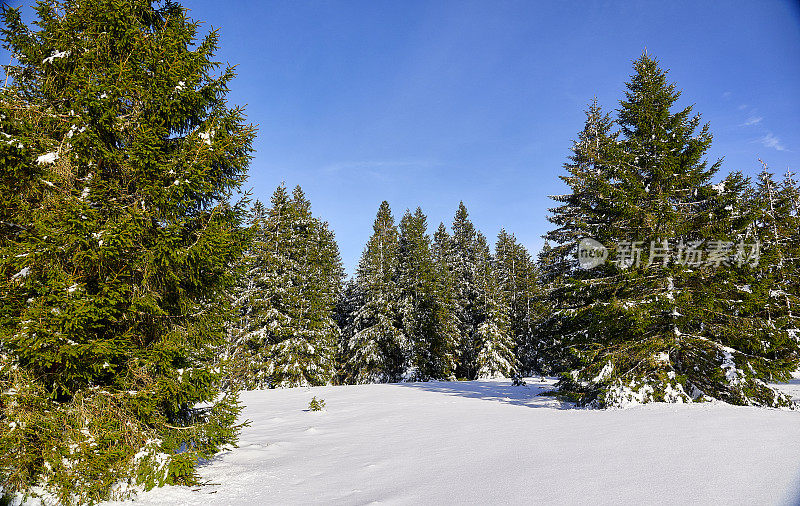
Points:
x=316 y=404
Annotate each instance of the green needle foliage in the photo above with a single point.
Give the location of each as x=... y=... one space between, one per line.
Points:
x=374 y=328
x=466 y=248
x=665 y=328
x=520 y=284
x=286 y=335
x=428 y=350
x=496 y=354
x=117 y=241
x=316 y=404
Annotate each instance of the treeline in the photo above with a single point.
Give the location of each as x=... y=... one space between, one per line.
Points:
x=418 y=307
x=697 y=298
x=137 y=294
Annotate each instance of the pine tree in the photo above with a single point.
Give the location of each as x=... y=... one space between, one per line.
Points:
x=447 y=325
x=494 y=340
x=117 y=247
x=288 y=334
x=519 y=282
x=464 y=266
x=303 y=352
x=375 y=333
x=417 y=299
x=648 y=325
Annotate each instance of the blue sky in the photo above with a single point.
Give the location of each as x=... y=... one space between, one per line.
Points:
x=428 y=103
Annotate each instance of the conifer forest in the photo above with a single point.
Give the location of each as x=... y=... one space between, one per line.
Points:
x=150 y=296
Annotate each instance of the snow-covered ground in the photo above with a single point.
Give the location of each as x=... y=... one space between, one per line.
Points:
x=793 y=387
x=486 y=442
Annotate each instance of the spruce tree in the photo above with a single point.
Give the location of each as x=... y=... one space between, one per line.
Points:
x=589 y=207
x=117 y=246
x=790 y=285
x=518 y=280
x=447 y=325
x=346 y=306
x=648 y=325
x=376 y=339
x=550 y=354
x=774 y=290
x=303 y=352
x=265 y=273
x=495 y=348
x=464 y=266
x=288 y=334
x=584 y=212
x=416 y=279
x=776 y=205
x=733 y=305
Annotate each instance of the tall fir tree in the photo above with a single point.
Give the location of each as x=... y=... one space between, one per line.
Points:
x=375 y=334
x=776 y=205
x=495 y=355
x=117 y=241
x=348 y=302
x=288 y=335
x=790 y=193
x=518 y=278
x=464 y=265
x=265 y=272
x=416 y=279
x=776 y=294
x=589 y=207
x=550 y=354
x=305 y=356
x=447 y=325
x=584 y=212
x=649 y=325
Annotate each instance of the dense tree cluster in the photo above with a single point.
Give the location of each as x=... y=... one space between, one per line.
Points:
x=696 y=300
x=417 y=309
x=137 y=296
x=286 y=334
x=423 y=308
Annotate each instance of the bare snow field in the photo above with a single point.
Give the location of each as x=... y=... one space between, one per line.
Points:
x=486 y=442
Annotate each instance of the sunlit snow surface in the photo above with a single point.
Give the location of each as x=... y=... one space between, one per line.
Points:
x=793 y=387
x=486 y=442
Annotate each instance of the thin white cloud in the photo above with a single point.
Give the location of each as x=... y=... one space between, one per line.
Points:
x=752 y=120
x=770 y=141
x=727 y=95
x=742 y=107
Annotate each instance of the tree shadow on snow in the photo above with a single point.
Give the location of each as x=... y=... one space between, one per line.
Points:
x=528 y=396
x=793 y=496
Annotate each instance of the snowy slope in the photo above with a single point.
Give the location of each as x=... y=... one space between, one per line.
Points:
x=486 y=442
